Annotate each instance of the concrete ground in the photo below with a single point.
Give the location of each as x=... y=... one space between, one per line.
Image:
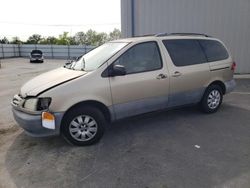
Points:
x=179 y=148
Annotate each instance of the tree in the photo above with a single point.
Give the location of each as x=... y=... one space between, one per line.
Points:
x=115 y=34
x=16 y=40
x=80 y=38
x=4 y=41
x=72 y=40
x=51 y=40
x=43 y=41
x=101 y=38
x=91 y=37
x=63 y=39
x=94 y=38
x=48 y=40
x=34 y=39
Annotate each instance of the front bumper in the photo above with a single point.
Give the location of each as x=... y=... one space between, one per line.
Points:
x=32 y=123
x=230 y=86
x=36 y=59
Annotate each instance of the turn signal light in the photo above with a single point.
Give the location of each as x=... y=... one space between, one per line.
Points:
x=48 y=120
x=48 y=116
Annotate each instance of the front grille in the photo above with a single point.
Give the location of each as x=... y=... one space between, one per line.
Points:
x=36 y=55
x=18 y=100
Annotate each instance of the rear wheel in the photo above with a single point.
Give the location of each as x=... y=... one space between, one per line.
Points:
x=83 y=125
x=212 y=99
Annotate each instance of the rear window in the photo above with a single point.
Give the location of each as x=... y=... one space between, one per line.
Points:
x=184 y=52
x=214 y=50
x=36 y=52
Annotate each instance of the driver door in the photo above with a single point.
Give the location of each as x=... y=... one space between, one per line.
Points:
x=145 y=86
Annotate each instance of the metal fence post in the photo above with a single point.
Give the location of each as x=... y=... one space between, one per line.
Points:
x=2 y=51
x=68 y=52
x=52 y=53
x=14 y=50
x=19 y=50
x=85 y=49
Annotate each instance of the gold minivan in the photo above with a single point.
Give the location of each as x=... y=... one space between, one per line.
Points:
x=124 y=78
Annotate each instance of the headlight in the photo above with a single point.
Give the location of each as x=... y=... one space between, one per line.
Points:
x=37 y=104
x=31 y=104
x=43 y=103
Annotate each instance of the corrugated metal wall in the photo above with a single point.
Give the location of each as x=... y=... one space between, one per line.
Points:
x=49 y=51
x=9 y=50
x=228 y=20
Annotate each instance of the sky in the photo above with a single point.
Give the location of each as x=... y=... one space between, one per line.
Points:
x=23 y=18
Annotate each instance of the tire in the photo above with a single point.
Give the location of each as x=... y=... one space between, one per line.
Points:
x=83 y=126
x=211 y=99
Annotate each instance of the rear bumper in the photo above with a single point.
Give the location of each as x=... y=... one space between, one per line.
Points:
x=230 y=85
x=32 y=123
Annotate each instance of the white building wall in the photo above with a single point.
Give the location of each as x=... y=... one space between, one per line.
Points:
x=228 y=20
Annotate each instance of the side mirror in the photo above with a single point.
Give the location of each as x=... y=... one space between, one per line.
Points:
x=118 y=70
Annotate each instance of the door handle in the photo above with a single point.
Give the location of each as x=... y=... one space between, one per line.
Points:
x=176 y=74
x=161 y=76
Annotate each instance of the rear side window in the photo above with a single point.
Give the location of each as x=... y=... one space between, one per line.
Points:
x=184 y=52
x=140 y=58
x=214 y=50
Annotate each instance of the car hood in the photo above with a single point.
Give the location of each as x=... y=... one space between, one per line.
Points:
x=48 y=80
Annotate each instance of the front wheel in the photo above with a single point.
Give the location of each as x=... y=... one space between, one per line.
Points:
x=212 y=99
x=83 y=125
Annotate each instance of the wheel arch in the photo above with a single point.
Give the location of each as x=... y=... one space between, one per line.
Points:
x=219 y=83
x=102 y=107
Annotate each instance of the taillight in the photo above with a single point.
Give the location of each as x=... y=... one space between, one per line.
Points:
x=233 y=67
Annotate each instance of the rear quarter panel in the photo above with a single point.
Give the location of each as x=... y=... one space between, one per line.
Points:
x=221 y=70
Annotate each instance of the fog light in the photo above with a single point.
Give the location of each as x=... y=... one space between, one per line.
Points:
x=48 y=120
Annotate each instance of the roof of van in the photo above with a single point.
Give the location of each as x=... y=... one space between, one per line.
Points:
x=165 y=36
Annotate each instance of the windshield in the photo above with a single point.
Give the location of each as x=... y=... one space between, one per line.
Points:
x=97 y=57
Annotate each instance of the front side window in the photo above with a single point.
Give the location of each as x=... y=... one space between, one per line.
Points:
x=214 y=50
x=184 y=52
x=140 y=58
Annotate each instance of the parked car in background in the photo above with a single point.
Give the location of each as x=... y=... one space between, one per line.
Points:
x=36 y=56
x=124 y=78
